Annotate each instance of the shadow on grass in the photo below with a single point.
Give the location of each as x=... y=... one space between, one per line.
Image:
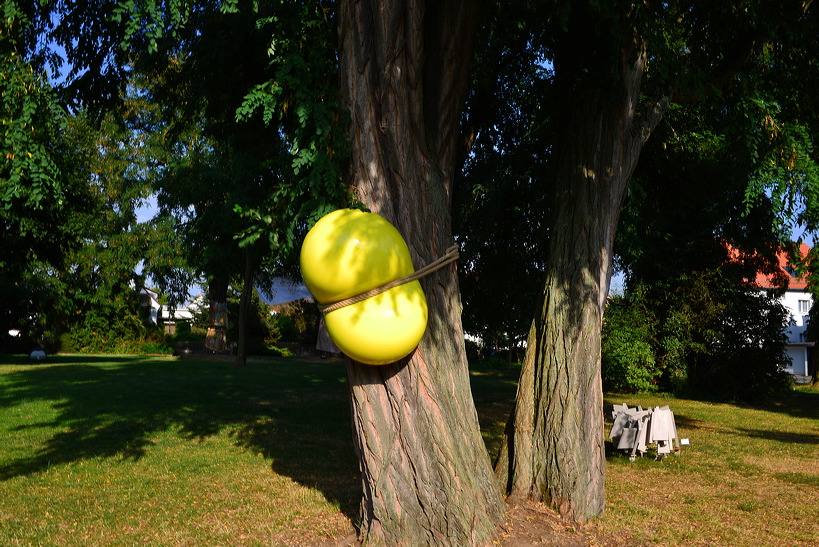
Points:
x=786 y=437
x=795 y=403
x=799 y=404
x=295 y=413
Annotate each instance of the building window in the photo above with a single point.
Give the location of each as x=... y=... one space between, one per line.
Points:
x=804 y=306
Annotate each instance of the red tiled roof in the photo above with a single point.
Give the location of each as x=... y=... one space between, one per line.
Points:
x=794 y=282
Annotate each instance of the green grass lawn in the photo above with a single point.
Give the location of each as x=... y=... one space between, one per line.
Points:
x=160 y=451
x=749 y=477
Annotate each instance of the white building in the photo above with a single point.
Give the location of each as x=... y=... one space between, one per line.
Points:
x=798 y=301
x=168 y=316
x=149 y=298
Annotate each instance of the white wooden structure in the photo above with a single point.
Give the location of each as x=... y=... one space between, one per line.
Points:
x=634 y=429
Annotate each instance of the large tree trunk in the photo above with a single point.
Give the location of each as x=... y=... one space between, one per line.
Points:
x=426 y=474
x=554 y=450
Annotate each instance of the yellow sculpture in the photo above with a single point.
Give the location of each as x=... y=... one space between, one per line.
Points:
x=347 y=253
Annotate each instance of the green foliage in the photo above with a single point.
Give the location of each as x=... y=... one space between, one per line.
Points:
x=500 y=208
x=691 y=319
x=47 y=254
x=254 y=138
x=296 y=321
x=300 y=98
x=285 y=328
x=72 y=250
x=183 y=328
x=31 y=121
x=114 y=332
x=105 y=331
x=97 y=282
x=185 y=332
x=29 y=172
x=787 y=172
x=39 y=183
x=628 y=359
x=152 y=20
x=256 y=134
x=473 y=351
x=705 y=332
x=745 y=356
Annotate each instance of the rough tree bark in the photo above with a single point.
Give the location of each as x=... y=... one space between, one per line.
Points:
x=553 y=450
x=426 y=474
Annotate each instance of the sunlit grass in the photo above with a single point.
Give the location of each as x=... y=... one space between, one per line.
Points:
x=749 y=476
x=167 y=452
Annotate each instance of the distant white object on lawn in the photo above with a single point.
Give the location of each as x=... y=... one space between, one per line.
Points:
x=635 y=428
x=37 y=353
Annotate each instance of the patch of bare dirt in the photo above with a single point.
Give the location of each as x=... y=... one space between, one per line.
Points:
x=530 y=524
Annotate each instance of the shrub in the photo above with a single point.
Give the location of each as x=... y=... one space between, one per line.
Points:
x=188 y=333
x=628 y=362
x=127 y=334
x=703 y=332
x=746 y=356
x=155 y=348
x=473 y=351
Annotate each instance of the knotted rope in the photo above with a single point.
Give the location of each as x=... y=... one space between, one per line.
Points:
x=451 y=255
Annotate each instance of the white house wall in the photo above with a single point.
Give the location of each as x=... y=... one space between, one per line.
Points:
x=799 y=358
x=148 y=299
x=799 y=318
x=797 y=329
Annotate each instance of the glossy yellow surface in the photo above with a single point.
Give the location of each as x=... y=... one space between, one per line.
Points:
x=349 y=252
x=381 y=329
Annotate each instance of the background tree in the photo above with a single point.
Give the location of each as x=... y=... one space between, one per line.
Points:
x=617 y=68
x=99 y=278
x=111 y=161
x=70 y=185
x=33 y=199
x=240 y=185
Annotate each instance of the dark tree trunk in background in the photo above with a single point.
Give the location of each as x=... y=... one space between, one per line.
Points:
x=217 y=324
x=553 y=450
x=244 y=306
x=426 y=474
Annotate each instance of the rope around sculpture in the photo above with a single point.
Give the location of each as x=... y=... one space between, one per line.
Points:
x=451 y=255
